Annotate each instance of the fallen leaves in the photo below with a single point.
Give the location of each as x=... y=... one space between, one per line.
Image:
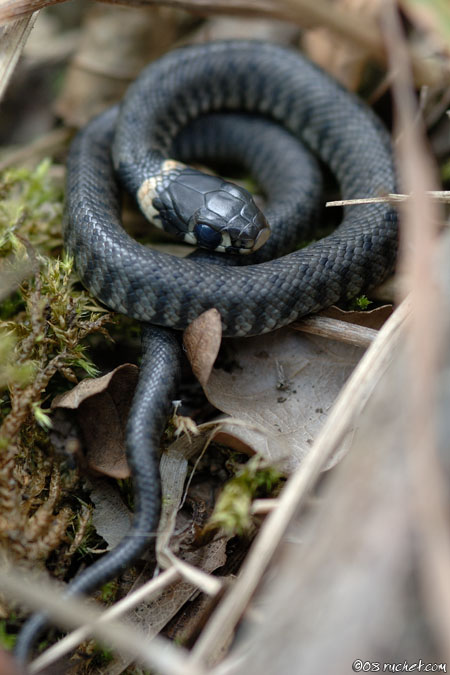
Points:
x=282 y=385
x=344 y=59
x=101 y=406
x=274 y=392
x=433 y=17
x=110 y=517
x=202 y=341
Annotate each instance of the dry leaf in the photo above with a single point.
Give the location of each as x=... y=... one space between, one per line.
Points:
x=13 y=40
x=153 y=615
x=102 y=405
x=355 y=328
x=372 y=318
x=345 y=60
x=283 y=384
x=115 y=45
x=13 y=9
x=432 y=16
x=243 y=28
x=111 y=518
x=173 y=469
x=202 y=340
x=7 y=664
x=356 y=552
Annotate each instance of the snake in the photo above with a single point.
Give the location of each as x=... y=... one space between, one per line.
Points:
x=259 y=104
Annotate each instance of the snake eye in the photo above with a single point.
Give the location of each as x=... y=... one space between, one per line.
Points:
x=207 y=236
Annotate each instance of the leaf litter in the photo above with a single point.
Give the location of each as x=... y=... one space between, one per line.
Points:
x=185 y=449
x=276 y=394
x=283 y=383
x=101 y=406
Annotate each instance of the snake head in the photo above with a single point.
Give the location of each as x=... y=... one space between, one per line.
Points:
x=208 y=211
x=229 y=221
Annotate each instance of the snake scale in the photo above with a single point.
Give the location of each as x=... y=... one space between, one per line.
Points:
x=267 y=84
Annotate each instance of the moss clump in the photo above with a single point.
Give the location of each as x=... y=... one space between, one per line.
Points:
x=31 y=207
x=232 y=512
x=44 y=318
x=7 y=639
x=360 y=303
x=445 y=172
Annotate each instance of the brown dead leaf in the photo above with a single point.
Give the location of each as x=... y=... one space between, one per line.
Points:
x=202 y=340
x=433 y=17
x=362 y=512
x=111 y=517
x=234 y=438
x=102 y=405
x=13 y=40
x=186 y=625
x=354 y=327
x=344 y=59
x=8 y=664
x=115 y=45
x=243 y=28
x=283 y=386
x=372 y=318
x=394 y=288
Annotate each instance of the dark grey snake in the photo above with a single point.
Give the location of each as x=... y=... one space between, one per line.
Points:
x=265 y=82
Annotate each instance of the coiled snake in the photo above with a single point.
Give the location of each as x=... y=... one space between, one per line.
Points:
x=265 y=82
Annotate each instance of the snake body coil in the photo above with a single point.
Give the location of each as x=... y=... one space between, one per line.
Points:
x=238 y=76
x=260 y=79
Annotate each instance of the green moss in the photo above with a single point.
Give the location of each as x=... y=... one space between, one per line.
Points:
x=104 y=656
x=109 y=592
x=445 y=172
x=45 y=316
x=7 y=640
x=11 y=306
x=233 y=509
x=31 y=206
x=361 y=303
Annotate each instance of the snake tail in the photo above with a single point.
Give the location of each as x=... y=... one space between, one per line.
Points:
x=156 y=388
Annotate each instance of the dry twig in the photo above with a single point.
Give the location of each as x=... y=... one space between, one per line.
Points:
x=343 y=415
x=157 y=655
x=13 y=40
x=421 y=217
x=151 y=589
x=334 y=329
x=439 y=195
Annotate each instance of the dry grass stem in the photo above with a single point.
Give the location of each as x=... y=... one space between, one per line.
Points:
x=421 y=216
x=343 y=415
x=440 y=195
x=417 y=319
x=151 y=590
x=355 y=27
x=350 y=25
x=157 y=655
x=334 y=329
x=359 y=29
x=261 y=507
x=15 y=9
x=12 y=42
x=203 y=581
